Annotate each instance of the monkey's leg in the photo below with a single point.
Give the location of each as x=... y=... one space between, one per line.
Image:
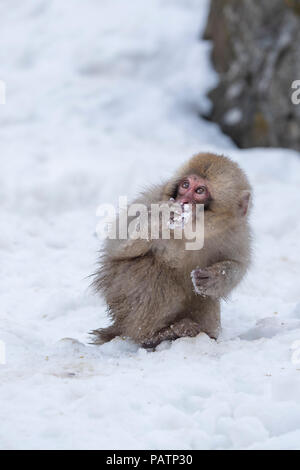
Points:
x=184 y=327
x=218 y=279
x=206 y=313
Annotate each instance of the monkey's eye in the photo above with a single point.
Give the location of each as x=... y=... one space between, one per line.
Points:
x=185 y=185
x=200 y=190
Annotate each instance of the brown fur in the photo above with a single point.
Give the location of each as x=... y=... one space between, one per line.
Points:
x=147 y=284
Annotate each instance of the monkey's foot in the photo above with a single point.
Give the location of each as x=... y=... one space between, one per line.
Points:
x=184 y=327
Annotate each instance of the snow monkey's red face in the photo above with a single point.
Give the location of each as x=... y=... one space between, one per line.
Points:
x=193 y=189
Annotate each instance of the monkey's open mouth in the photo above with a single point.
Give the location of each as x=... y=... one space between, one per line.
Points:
x=180 y=215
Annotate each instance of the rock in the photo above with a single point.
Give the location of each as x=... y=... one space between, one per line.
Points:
x=257 y=55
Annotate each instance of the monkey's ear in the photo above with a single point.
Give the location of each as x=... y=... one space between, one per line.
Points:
x=244 y=202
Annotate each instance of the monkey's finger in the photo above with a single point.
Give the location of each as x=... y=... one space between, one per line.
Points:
x=201 y=274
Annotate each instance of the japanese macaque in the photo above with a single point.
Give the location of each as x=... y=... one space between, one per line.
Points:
x=157 y=289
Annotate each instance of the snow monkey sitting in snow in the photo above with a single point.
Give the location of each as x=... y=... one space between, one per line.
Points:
x=157 y=289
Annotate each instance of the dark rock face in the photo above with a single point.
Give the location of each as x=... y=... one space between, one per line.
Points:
x=256 y=51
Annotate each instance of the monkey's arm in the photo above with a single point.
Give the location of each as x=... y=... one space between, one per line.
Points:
x=128 y=249
x=218 y=279
x=148 y=233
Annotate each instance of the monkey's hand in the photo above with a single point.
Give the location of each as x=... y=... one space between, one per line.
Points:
x=218 y=279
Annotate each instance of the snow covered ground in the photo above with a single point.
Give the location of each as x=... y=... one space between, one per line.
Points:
x=102 y=98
